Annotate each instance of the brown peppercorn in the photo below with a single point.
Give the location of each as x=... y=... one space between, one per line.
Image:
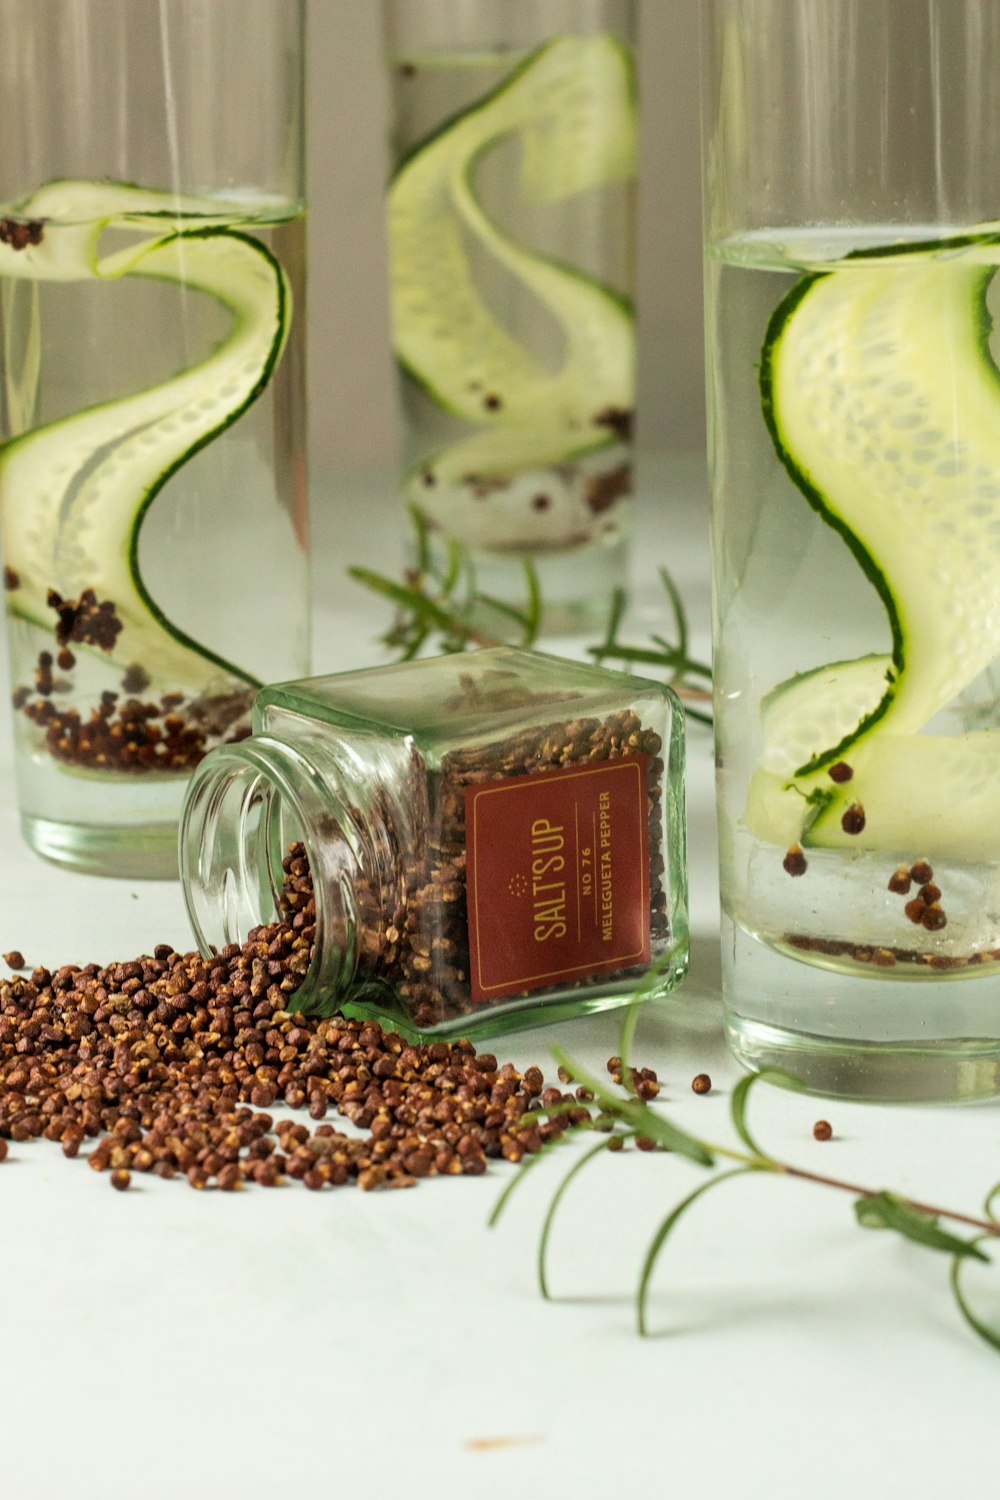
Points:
x=644 y=1143
x=533 y=1081
x=929 y=893
x=823 y=1130
x=853 y=820
x=164 y=1063
x=266 y=1173
x=900 y=880
x=14 y=959
x=922 y=872
x=914 y=910
x=794 y=862
x=933 y=918
x=701 y=1083
x=840 y=772
x=121 y=1179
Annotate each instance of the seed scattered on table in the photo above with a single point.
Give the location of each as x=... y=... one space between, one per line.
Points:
x=160 y=1065
x=701 y=1083
x=121 y=1179
x=14 y=959
x=823 y=1130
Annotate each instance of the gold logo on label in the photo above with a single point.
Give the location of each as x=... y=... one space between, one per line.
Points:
x=518 y=885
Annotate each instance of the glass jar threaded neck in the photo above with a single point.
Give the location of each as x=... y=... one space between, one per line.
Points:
x=249 y=804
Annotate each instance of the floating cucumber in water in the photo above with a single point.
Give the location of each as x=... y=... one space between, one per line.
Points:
x=883 y=403
x=73 y=493
x=571 y=105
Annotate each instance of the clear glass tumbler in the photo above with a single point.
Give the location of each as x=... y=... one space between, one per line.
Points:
x=510 y=215
x=852 y=183
x=152 y=467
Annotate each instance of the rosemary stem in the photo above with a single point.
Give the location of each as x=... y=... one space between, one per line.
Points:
x=784 y=1169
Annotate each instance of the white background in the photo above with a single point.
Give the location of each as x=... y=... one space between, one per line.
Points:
x=164 y=1343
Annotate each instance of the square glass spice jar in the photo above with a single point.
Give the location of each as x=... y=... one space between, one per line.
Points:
x=489 y=840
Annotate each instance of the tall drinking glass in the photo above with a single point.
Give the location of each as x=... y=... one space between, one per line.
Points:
x=152 y=468
x=510 y=217
x=852 y=183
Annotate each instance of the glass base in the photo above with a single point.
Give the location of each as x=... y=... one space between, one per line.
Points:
x=936 y=1073
x=859 y=1036
x=494 y=1022
x=127 y=851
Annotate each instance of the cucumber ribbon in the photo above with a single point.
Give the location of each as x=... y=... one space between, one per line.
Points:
x=571 y=103
x=883 y=402
x=74 y=492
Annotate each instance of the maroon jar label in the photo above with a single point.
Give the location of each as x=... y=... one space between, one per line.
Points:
x=557 y=876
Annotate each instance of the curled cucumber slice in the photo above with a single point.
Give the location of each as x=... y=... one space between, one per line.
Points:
x=571 y=105
x=883 y=402
x=73 y=493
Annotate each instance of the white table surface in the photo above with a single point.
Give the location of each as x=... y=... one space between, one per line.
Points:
x=165 y=1343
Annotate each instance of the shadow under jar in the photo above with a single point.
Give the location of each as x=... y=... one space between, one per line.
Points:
x=464 y=844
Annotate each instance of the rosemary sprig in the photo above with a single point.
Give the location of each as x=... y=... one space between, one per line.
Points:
x=875 y=1208
x=439 y=606
x=691 y=679
x=439 y=603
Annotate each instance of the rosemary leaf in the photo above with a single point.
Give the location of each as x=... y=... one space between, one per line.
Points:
x=990 y=1335
x=660 y=1237
x=888 y=1211
x=406 y=597
x=533 y=609
x=991 y=1207
x=524 y=1168
x=680 y=614
x=619 y=604
x=557 y=1197
x=741 y=1096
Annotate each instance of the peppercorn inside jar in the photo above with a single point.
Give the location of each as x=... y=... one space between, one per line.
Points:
x=459 y=845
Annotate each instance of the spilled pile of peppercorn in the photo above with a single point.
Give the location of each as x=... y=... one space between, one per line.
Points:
x=169 y=1063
